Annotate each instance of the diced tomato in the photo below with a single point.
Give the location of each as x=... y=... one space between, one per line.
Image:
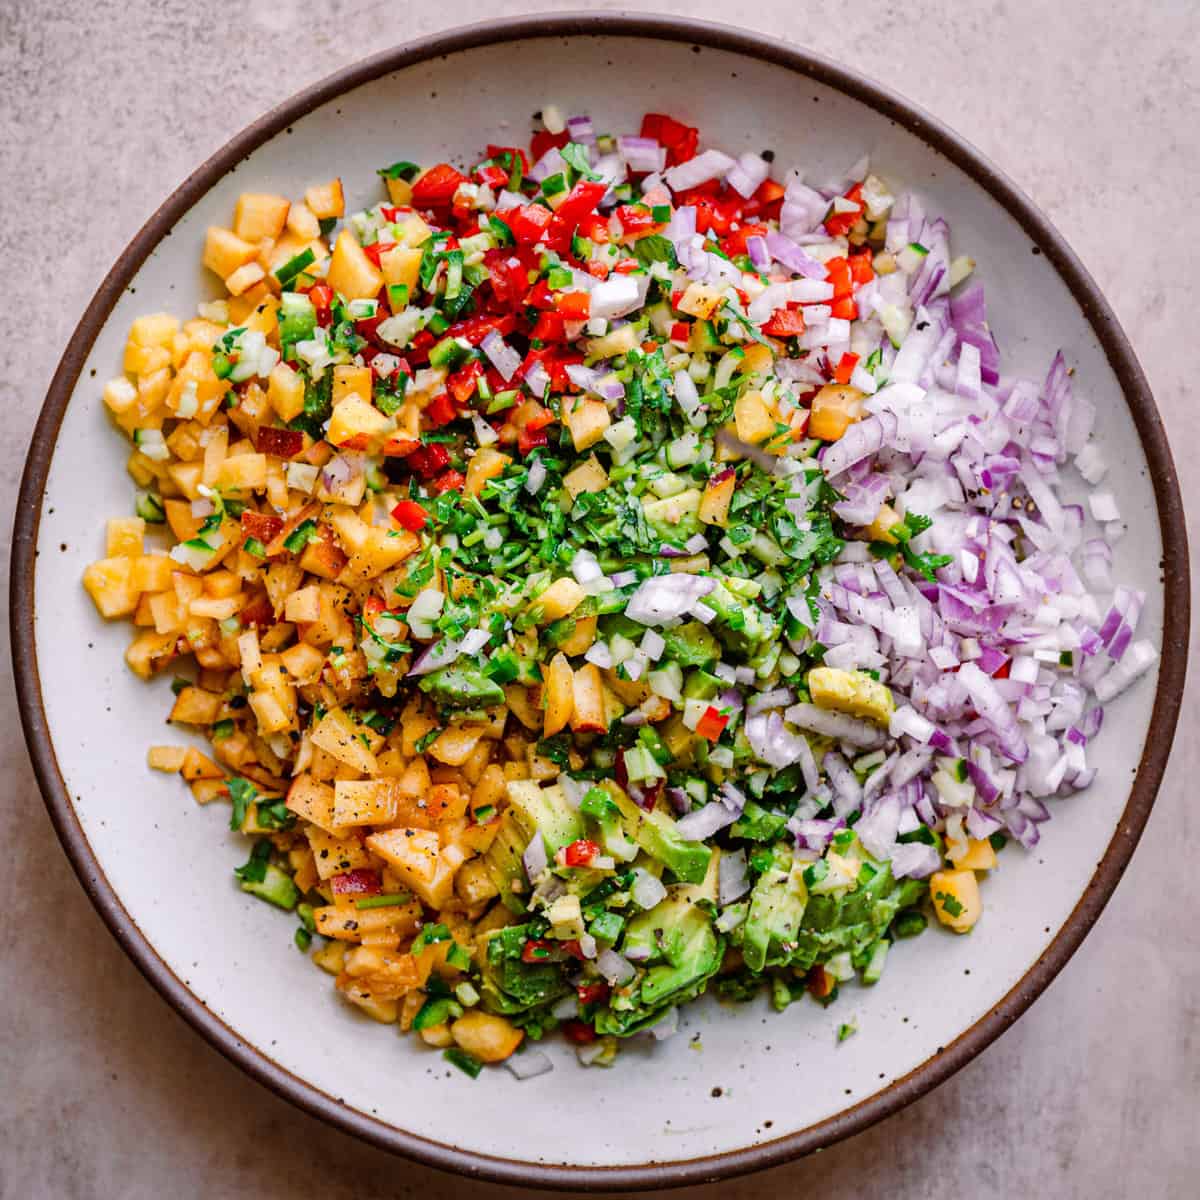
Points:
x=509 y=282
x=410 y=515
x=549 y=328
x=360 y=882
x=845 y=368
x=626 y=266
x=712 y=724
x=375 y=251
x=475 y=329
x=262 y=526
x=574 y=306
x=462 y=384
x=543 y=140
x=537 y=950
x=735 y=243
x=580 y=853
x=579 y=1032
x=681 y=331
x=592 y=993
x=845 y=308
x=717 y=213
x=838 y=224
x=440 y=410
x=285 y=443
x=427 y=461
x=451 y=481
x=437 y=186
x=785 y=323
x=680 y=140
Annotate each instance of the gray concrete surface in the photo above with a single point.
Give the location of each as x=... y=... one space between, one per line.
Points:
x=105 y=106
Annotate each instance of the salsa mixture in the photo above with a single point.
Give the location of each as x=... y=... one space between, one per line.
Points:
x=613 y=572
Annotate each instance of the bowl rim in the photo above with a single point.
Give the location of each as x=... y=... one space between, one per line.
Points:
x=924 y=1077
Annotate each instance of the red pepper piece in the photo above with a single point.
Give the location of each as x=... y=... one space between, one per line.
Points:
x=428 y=461
x=580 y=853
x=845 y=368
x=440 y=410
x=528 y=223
x=680 y=140
x=592 y=993
x=437 y=186
x=839 y=224
x=543 y=140
x=451 y=481
x=579 y=1032
x=712 y=724
x=410 y=515
x=537 y=950
x=785 y=323
x=376 y=250
x=573 y=306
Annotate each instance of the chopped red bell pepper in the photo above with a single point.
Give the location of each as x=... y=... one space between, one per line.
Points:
x=544 y=140
x=437 y=186
x=635 y=219
x=679 y=140
x=501 y=151
x=427 y=461
x=581 y=201
x=712 y=724
x=462 y=384
x=845 y=308
x=574 y=306
x=681 y=331
x=451 y=481
x=440 y=410
x=785 y=323
x=1003 y=670
x=549 y=328
x=376 y=250
x=595 y=229
x=537 y=950
x=592 y=993
x=528 y=223
x=838 y=224
x=411 y=515
x=845 y=368
x=530 y=439
x=321 y=295
x=285 y=443
x=862 y=265
x=735 y=243
x=491 y=176
x=579 y=1032
x=580 y=853
x=539 y=296
x=766 y=201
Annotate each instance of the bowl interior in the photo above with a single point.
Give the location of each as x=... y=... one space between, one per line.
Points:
x=734 y=1077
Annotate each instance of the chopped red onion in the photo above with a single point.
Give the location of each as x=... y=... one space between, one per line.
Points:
x=666 y=597
x=733 y=879
x=701 y=823
x=711 y=164
x=747 y=174
x=641 y=154
x=532 y=1063
x=501 y=355
x=535 y=859
x=616 y=969
x=648 y=890
x=434 y=657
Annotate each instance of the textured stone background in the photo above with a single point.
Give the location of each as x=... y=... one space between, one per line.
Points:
x=1090 y=107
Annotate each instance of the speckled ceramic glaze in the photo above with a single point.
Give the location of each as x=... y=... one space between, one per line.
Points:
x=738 y=1088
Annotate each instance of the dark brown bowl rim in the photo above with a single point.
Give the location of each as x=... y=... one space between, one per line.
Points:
x=1110 y=868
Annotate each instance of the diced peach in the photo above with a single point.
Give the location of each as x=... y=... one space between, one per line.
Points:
x=351 y=273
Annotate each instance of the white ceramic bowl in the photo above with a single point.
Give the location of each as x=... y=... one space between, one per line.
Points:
x=158 y=867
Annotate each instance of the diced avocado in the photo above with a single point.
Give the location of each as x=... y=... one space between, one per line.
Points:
x=512 y=985
x=657 y=834
x=851 y=692
x=276 y=887
x=546 y=809
x=691 y=645
x=503 y=861
x=675 y=517
x=757 y=824
x=602 y=809
x=679 y=931
x=462 y=685
x=777 y=907
x=700 y=685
